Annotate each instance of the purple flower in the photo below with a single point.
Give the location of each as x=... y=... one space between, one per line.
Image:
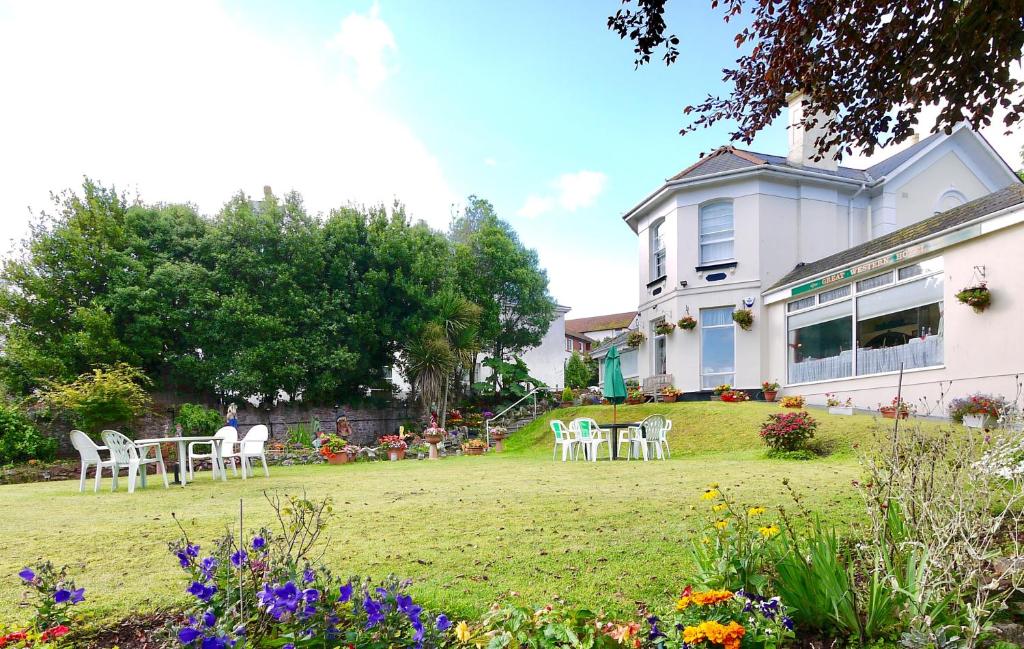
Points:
x=281 y=601
x=308 y=576
x=346 y=592
x=288 y=646
x=442 y=623
x=787 y=622
x=209 y=619
x=204 y=593
x=311 y=594
x=258 y=543
x=192 y=550
x=77 y=595
x=238 y=558
x=239 y=631
x=374 y=612
x=27 y=574
x=214 y=642
x=207 y=566
x=62 y=595
x=188 y=635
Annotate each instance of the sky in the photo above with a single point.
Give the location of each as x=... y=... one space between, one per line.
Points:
x=533 y=105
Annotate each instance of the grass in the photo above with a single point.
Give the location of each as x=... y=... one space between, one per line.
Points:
x=468 y=530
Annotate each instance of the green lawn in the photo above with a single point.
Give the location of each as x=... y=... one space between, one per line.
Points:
x=467 y=530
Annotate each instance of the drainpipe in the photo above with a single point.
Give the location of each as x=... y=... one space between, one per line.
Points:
x=849 y=214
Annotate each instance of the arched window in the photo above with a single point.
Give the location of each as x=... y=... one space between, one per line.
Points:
x=950 y=198
x=658 y=269
x=716 y=232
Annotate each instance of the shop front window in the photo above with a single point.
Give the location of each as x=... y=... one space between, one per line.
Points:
x=821 y=343
x=900 y=326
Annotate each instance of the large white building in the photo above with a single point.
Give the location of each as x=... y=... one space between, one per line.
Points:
x=732 y=230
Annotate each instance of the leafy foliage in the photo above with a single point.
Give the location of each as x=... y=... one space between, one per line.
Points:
x=580 y=371
x=104 y=396
x=788 y=431
x=19 y=439
x=197 y=419
x=873 y=65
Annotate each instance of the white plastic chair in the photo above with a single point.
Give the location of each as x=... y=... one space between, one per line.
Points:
x=252 y=445
x=229 y=435
x=90 y=454
x=649 y=435
x=590 y=437
x=125 y=454
x=563 y=438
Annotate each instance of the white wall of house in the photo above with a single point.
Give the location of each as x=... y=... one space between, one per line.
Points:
x=547 y=360
x=980 y=352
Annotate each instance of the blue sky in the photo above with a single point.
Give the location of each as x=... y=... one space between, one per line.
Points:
x=533 y=105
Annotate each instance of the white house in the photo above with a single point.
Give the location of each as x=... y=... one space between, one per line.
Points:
x=718 y=234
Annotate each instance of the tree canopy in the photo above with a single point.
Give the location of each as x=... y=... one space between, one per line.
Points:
x=872 y=64
x=259 y=300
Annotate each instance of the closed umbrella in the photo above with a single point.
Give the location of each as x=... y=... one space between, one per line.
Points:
x=614 y=386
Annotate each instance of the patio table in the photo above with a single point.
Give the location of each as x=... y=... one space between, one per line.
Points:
x=180 y=442
x=614 y=428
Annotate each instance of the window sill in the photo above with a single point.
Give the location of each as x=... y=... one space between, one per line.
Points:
x=867 y=376
x=657 y=281
x=719 y=265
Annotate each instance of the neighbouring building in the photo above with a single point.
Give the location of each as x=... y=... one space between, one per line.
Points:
x=582 y=334
x=738 y=229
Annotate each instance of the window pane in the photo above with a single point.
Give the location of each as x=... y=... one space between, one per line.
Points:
x=834 y=294
x=659 y=264
x=902 y=325
x=713 y=317
x=716 y=232
x=717 y=348
x=628 y=362
x=800 y=304
x=712 y=252
x=874 y=282
x=922 y=268
x=820 y=343
x=660 y=358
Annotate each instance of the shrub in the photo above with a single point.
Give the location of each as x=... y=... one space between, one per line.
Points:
x=579 y=371
x=104 y=396
x=976 y=404
x=568 y=395
x=198 y=420
x=19 y=439
x=788 y=431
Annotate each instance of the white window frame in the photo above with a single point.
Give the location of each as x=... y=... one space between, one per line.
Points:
x=853 y=296
x=659 y=268
x=718 y=235
x=655 y=337
x=700 y=326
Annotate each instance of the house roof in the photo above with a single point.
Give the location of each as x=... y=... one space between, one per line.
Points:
x=989 y=204
x=602 y=349
x=580 y=326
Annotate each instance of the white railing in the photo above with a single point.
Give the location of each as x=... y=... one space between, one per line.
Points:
x=531 y=393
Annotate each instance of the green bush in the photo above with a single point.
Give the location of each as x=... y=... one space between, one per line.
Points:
x=105 y=396
x=19 y=439
x=198 y=420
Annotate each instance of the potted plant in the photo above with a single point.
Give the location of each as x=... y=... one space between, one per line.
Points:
x=474 y=447
x=567 y=397
x=420 y=450
x=498 y=434
x=670 y=394
x=770 y=389
x=394 y=446
x=837 y=407
x=433 y=436
x=794 y=401
x=977 y=410
x=978 y=297
x=635 y=338
x=634 y=396
x=734 y=396
x=333 y=448
x=665 y=327
x=688 y=322
x=719 y=390
x=744 y=318
x=898 y=407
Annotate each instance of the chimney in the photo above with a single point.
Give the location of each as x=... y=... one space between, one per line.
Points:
x=801 y=141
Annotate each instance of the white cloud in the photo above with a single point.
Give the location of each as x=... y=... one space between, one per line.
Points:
x=367 y=41
x=490 y=162
x=572 y=191
x=183 y=102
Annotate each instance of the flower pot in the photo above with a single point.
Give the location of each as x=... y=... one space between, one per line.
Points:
x=669 y=398
x=338 y=458
x=984 y=422
x=634 y=402
x=566 y=404
x=840 y=410
x=890 y=413
x=474 y=450
x=769 y=395
x=433 y=440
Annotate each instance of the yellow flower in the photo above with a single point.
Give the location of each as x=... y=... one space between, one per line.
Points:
x=710 y=494
x=769 y=531
x=462 y=632
x=755 y=511
x=719 y=507
x=721 y=524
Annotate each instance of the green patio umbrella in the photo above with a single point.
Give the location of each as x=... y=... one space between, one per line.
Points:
x=614 y=386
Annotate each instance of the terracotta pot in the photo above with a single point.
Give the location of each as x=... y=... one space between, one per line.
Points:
x=499 y=442
x=634 y=402
x=432 y=439
x=669 y=398
x=769 y=395
x=339 y=458
x=474 y=450
x=890 y=413
x=395 y=454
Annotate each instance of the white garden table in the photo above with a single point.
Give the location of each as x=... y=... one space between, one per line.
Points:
x=181 y=442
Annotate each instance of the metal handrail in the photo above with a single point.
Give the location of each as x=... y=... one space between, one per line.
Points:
x=531 y=393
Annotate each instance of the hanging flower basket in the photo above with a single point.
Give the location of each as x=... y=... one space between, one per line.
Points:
x=977 y=297
x=635 y=338
x=744 y=318
x=665 y=328
x=688 y=322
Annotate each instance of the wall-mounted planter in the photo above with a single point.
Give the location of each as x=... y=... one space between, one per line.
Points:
x=983 y=422
x=744 y=318
x=977 y=297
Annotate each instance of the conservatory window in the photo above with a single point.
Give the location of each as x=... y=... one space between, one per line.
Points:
x=900 y=326
x=821 y=343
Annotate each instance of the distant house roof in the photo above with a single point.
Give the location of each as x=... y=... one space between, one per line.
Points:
x=602 y=349
x=580 y=326
x=994 y=202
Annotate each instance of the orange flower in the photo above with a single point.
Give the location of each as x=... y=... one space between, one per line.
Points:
x=701 y=598
x=727 y=635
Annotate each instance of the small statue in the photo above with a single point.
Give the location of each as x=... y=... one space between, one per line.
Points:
x=343 y=428
x=232 y=416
